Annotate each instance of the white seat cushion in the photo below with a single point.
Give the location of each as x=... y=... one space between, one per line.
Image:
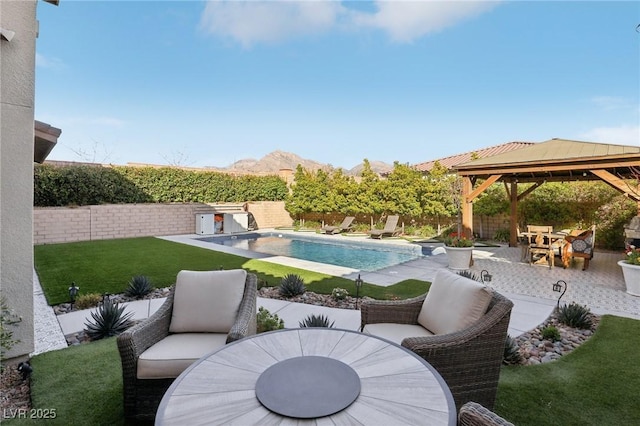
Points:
x=173 y=354
x=396 y=332
x=453 y=303
x=207 y=301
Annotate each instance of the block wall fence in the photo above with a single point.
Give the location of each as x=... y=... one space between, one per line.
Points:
x=102 y=222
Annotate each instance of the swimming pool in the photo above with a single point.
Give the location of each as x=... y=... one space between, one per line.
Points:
x=365 y=256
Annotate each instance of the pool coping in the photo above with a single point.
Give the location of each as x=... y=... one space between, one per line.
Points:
x=422 y=269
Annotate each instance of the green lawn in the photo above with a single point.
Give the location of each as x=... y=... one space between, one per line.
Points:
x=595 y=385
x=107 y=266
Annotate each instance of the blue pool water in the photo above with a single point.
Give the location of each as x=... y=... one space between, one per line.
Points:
x=352 y=254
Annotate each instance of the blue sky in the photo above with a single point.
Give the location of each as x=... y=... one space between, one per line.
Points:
x=208 y=83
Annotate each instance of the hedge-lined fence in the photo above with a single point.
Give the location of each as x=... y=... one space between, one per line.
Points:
x=56 y=186
x=420 y=200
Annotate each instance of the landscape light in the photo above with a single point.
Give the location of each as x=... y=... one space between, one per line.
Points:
x=557 y=287
x=485 y=276
x=73 y=292
x=358 y=283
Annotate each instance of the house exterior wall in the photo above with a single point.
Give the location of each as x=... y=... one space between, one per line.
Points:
x=87 y=223
x=17 y=76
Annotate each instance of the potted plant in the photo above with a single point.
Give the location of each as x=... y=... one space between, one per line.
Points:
x=631 y=270
x=459 y=251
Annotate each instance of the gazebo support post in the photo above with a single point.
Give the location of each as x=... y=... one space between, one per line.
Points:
x=467 y=207
x=513 y=225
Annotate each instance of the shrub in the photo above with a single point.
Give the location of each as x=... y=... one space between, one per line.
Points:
x=109 y=320
x=139 y=286
x=7 y=319
x=611 y=220
x=512 y=355
x=502 y=235
x=267 y=321
x=316 y=321
x=575 y=315
x=550 y=332
x=361 y=227
x=339 y=293
x=86 y=301
x=84 y=185
x=292 y=285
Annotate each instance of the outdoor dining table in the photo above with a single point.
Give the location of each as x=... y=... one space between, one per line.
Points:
x=309 y=376
x=556 y=239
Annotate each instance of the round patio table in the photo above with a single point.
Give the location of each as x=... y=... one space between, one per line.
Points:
x=309 y=375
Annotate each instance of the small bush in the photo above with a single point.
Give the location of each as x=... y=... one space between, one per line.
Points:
x=316 y=321
x=109 y=320
x=550 y=332
x=502 y=235
x=512 y=355
x=339 y=293
x=86 y=301
x=575 y=315
x=7 y=319
x=268 y=321
x=262 y=283
x=138 y=287
x=292 y=285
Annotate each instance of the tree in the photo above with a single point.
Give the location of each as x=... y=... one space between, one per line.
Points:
x=342 y=190
x=441 y=194
x=367 y=197
x=402 y=190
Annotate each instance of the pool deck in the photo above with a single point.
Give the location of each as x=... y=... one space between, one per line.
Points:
x=601 y=287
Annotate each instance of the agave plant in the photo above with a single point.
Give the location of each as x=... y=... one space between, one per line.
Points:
x=512 y=355
x=316 y=321
x=292 y=285
x=575 y=315
x=139 y=286
x=468 y=274
x=109 y=320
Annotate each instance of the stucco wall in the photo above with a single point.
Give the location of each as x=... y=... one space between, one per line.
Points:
x=17 y=74
x=62 y=224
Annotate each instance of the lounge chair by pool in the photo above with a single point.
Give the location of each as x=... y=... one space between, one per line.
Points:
x=343 y=227
x=390 y=228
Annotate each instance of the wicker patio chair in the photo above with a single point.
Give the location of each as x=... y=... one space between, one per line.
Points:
x=474 y=414
x=142 y=395
x=469 y=360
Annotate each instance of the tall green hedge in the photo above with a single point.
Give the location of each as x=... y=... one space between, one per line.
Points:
x=86 y=185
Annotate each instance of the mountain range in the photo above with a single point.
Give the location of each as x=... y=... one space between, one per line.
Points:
x=277 y=160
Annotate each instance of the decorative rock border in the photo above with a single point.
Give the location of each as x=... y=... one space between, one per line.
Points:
x=537 y=350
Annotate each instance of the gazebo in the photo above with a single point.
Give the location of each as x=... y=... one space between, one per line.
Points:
x=556 y=160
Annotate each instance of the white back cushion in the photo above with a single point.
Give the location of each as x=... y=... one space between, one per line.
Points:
x=453 y=303
x=206 y=301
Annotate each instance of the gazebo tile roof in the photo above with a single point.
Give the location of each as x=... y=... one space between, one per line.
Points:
x=554 y=151
x=454 y=160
